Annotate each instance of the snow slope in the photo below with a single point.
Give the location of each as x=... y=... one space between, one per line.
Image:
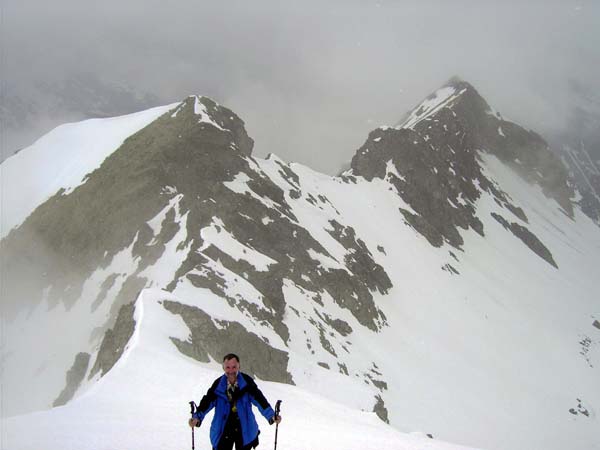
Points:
x=497 y=345
x=143 y=403
x=61 y=159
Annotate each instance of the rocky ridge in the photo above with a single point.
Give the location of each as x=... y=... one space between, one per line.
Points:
x=183 y=206
x=432 y=160
x=586 y=176
x=187 y=185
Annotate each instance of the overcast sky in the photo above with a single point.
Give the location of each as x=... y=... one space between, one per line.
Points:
x=311 y=79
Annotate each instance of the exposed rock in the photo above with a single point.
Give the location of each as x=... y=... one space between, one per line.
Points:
x=580 y=409
x=104 y=288
x=528 y=238
x=359 y=259
x=449 y=268
x=524 y=150
x=434 y=174
x=75 y=376
x=586 y=344
x=338 y=325
x=289 y=175
x=275 y=233
x=585 y=175
x=380 y=409
x=432 y=160
x=149 y=248
x=258 y=358
x=379 y=384
x=325 y=343
x=71 y=234
x=115 y=340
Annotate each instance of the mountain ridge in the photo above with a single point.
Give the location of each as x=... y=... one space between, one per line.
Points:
x=318 y=277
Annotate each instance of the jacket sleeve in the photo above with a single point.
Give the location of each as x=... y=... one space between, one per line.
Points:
x=258 y=399
x=207 y=403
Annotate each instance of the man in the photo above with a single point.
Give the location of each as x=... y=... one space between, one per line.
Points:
x=232 y=395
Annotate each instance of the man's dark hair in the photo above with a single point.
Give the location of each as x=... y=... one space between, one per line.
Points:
x=229 y=356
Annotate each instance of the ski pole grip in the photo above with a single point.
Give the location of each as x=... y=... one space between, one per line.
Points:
x=192 y=408
x=277 y=407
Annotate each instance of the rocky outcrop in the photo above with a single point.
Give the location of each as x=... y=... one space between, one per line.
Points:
x=528 y=238
x=435 y=171
x=380 y=409
x=115 y=341
x=75 y=376
x=432 y=160
x=586 y=176
x=70 y=235
x=258 y=358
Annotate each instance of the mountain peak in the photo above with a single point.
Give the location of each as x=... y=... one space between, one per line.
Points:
x=433 y=160
x=447 y=96
x=214 y=119
x=458 y=82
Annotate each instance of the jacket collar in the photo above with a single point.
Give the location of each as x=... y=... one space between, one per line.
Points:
x=222 y=388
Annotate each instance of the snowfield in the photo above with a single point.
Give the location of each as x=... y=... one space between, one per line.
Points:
x=143 y=403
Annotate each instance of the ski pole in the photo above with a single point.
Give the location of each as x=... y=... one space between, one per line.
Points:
x=192 y=408
x=277 y=409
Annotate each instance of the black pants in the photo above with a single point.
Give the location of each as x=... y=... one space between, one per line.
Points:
x=232 y=434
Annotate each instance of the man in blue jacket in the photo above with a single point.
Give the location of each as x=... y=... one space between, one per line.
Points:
x=232 y=395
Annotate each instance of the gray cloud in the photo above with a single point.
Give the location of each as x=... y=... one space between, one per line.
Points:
x=310 y=79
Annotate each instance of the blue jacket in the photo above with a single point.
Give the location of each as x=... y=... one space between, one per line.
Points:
x=247 y=394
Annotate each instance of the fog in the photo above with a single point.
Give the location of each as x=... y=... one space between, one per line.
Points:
x=310 y=79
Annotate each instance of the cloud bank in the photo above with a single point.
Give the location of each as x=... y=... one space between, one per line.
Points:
x=310 y=79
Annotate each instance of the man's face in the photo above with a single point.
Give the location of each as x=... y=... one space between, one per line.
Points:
x=231 y=368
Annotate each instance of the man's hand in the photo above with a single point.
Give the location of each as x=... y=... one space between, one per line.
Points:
x=275 y=419
x=194 y=422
